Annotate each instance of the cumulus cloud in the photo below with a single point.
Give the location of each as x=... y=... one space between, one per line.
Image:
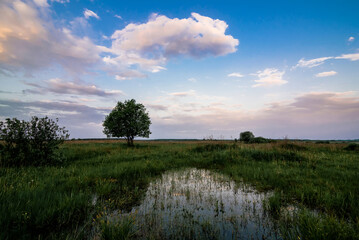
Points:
x=270 y=77
x=326 y=74
x=150 y=45
x=311 y=63
x=351 y=56
x=59 y=86
x=88 y=13
x=29 y=41
x=235 y=74
x=351 y=39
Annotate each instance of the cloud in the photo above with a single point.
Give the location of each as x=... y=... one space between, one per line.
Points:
x=319 y=61
x=88 y=13
x=41 y=3
x=118 y=16
x=313 y=115
x=157 y=107
x=192 y=80
x=183 y=94
x=270 y=77
x=311 y=63
x=57 y=85
x=235 y=74
x=81 y=120
x=150 y=45
x=351 y=56
x=44 y=3
x=351 y=39
x=326 y=74
x=129 y=74
x=29 y=41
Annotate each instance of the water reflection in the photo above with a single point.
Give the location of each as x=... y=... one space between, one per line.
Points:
x=200 y=204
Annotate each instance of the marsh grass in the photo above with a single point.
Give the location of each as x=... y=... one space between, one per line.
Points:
x=57 y=202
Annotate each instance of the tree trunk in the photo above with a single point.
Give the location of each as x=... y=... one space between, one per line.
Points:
x=130 y=141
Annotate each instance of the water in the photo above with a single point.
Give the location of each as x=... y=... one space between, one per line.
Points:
x=200 y=204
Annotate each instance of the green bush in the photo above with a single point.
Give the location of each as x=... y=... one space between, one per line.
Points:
x=352 y=147
x=31 y=143
x=259 y=140
x=246 y=136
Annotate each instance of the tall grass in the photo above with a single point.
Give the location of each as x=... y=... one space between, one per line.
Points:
x=57 y=202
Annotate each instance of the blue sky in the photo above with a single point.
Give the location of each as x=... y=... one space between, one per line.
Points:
x=202 y=68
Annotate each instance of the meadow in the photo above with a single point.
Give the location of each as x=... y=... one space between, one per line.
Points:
x=71 y=201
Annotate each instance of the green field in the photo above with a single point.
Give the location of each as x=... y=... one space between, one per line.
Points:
x=71 y=201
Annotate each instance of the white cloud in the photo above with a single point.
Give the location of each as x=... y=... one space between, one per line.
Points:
x=129 y=74
x=88 y=13
x=150 y=45
x=235 y=74
x=157 y=69
x=44 y=3
x=351 y=39
x=311 y=63
x=270 y=77
x=192 y=80
x=118 y=16
x=29 y=42
x=183 y=94
x=41 y=3
x=351 y=56
x=326 y=74
x=313 y=115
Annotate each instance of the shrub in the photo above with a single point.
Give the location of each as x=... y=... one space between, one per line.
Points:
x=322 y=142
x=259 y=140
x=292 y=146
x=31 y=143
x=246 y=136
x=352 y=147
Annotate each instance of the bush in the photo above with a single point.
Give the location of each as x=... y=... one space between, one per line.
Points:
x=31 y=143
x=246 y=136
x=292 y=146
x=259 y=140
x=352 y=147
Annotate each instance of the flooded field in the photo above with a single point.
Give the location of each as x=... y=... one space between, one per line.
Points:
x=200 y=204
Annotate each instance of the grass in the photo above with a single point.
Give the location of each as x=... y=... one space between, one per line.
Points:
x=57 y=202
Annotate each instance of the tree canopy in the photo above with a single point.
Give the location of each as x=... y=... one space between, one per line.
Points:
x=246 y=136
x=128 y=119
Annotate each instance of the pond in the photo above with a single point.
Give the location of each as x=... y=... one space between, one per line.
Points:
x=200 y=204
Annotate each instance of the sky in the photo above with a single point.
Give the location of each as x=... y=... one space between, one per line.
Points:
x=203 y=69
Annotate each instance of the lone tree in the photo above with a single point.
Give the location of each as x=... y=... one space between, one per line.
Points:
x=129 y=120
